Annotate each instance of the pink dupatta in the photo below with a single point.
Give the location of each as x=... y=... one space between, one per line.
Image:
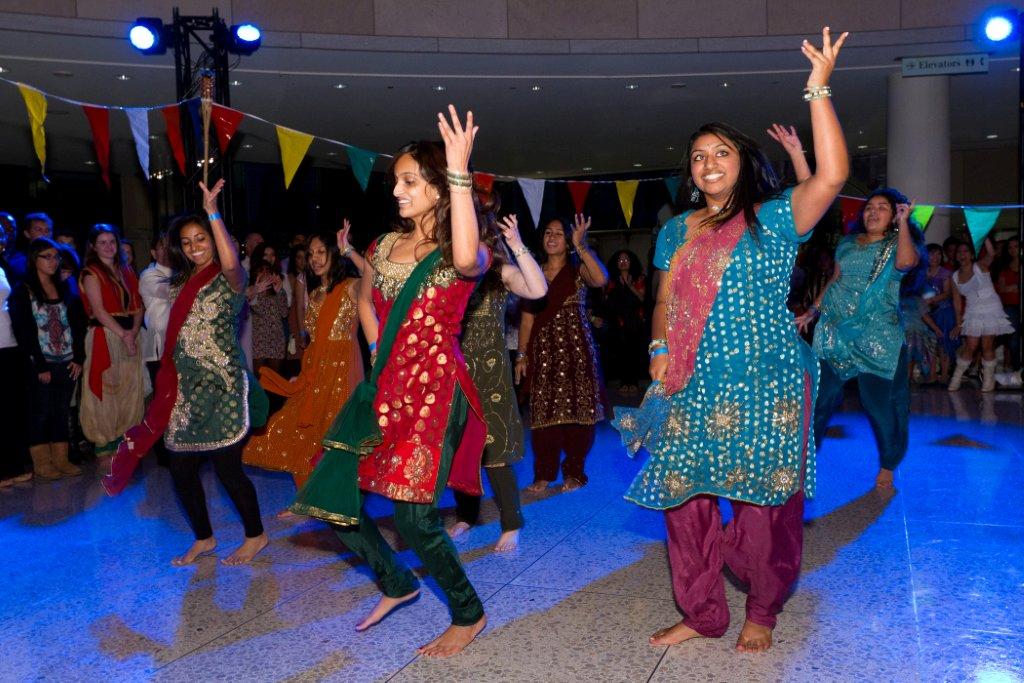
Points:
x=695 y=274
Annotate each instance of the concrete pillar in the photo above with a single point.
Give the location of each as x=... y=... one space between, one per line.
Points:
x=918 y=144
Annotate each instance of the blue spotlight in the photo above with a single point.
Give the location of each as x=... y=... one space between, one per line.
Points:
x=147 y=36
x=998 y=28
x=244 y=39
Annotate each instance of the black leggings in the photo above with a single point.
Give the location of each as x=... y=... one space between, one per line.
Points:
x=506 y=495
x=227 y=463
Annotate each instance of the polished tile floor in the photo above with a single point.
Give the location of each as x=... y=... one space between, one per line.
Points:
x=925 y=585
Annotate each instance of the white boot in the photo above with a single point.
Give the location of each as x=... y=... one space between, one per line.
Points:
x=958 y=374
x=988 y=375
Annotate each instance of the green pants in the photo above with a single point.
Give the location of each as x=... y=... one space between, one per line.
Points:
x=419 y=524
x=886 y=401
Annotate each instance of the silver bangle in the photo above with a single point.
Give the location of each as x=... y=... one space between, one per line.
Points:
x=521 y=251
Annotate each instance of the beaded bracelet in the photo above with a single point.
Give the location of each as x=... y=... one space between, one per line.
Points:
x=655 y=343
x=521 y=251
x=817 y=92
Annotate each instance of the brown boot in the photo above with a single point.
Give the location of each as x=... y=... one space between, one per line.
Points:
x=41 y=462
x=61 y=462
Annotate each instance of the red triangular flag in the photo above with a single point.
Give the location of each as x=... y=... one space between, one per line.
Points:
x=484 y=181
x=173 y=119
x=226 y=121
x=579 y=190
x=99 y=121
x=851 y=208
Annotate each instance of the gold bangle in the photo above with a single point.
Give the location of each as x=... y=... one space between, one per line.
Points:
x=460 y=189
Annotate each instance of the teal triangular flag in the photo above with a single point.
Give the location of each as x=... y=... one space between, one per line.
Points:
x=979 y=223
x=362 y=163
x=673 y=182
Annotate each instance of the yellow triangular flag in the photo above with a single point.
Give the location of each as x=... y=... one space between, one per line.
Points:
x=294 y=145
x=627 y=193
x=35 y=102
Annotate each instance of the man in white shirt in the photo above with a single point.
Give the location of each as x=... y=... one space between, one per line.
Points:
x=155 y=288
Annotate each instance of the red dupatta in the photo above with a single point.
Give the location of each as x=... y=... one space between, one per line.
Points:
x=142 y=437
x=118 y=300
x=695 y=274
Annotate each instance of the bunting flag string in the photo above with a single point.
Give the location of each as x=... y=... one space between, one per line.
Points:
x=627 y=196
x=225 y=122
x=533 y=191
x=35 y=103
x=362 y=163
x=673 y=183
x=294 y=145
x=579 y=189
x=922 y=215
x=484 y=181
x=138 y=120
x=172 y=117
x=979 y=223
x=99 y=122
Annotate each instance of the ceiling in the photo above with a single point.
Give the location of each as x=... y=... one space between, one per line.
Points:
x=539 y=115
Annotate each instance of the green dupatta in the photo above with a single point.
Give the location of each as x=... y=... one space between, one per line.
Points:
x=332 y=491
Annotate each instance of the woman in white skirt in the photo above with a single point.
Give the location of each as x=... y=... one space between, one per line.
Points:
x=979 y=314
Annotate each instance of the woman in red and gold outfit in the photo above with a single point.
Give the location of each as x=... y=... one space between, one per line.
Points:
x=111 y=399
x=558 y=359
x=415 y=425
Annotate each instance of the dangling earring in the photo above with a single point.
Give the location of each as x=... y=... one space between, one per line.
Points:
x=694 y=195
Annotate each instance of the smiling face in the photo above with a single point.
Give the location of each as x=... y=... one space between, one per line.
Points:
x=319 y=257
x=963 y=255
x=714 y=167
x=555 y=243
x=878 y=216
x=415 y=196
x=197 y=244
x=106 y=246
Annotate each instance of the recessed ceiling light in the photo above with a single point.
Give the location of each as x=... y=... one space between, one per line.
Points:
x=862 y=146
x=588 y=168
x=725 y=84
x=535 y=88
x=90 y=163
x=1017 y=69
x=991 y=136
x=632 y=86
x=538 y=172
x=122 y=77
x=63 y=74
x=332 y=154
x=3 y=70
x=153 y=137
x=860 y=132
x=247 y=145
x=637 y=165
x=670 y=148
x=439 y=88
x=341 y=86
x=236 y=82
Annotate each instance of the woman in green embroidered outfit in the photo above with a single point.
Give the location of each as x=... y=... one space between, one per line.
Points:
x=415 y=424
x=483 y=340
x=860 y=333
x=729 y=414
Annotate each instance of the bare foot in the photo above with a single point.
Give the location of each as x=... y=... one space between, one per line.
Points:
x=570 y=485
x=673 y=635
x=453 y=641
x=539 y=486
x=884 y=479
x=248 y=550
x=508 y=541
x=286 y=514
x=384 y=608
x=457 y=529
x=198 y=549
x=754 y=638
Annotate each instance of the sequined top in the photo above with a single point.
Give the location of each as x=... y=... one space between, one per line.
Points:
x=416 y=388
x=740 y=427
x=211 y=410
x=483 y=342
x=860 y=331
x=565 y=385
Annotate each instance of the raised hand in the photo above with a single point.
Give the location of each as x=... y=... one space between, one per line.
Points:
x=579 y=231
x=788 y=138
x=509 y=226
x=458 y=139
x=210 y=196
x=823 y=61
x=344 y=246
x=903 y=213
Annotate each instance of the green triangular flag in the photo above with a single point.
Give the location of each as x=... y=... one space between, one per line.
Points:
x=979 y=223
x=921 y=214
x=673 y=182
x=362 y=163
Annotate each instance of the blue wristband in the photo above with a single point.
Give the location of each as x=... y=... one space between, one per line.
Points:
x=214 y=217
x=660 y=351
x=373 y=346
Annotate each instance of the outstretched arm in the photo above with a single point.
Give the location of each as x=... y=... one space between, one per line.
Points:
x=812 y=197
x=907 y=254
x=345 y=247
x=790 y=142
x=468 y=256
x=227 y=253
x=526 y=279
x=593 y=271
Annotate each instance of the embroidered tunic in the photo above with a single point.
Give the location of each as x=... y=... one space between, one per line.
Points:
x=487 y=361
x=211 y=410
x=739 y=427
x=416 y=388
x=860 y=330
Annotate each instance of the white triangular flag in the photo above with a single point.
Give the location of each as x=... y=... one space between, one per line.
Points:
x=139 y=121
x=533 y=190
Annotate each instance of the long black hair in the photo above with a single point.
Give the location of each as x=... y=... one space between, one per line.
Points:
x=570 y=251
x=756 y=183
x=340 y=267
x=636 y=269
x=181 y=265
x=32 y=281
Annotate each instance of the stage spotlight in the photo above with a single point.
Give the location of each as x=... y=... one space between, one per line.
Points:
x=244 y=39
x=147 y=36
x=999 y=25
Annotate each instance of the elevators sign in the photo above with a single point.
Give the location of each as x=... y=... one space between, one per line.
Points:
x=945 y=64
